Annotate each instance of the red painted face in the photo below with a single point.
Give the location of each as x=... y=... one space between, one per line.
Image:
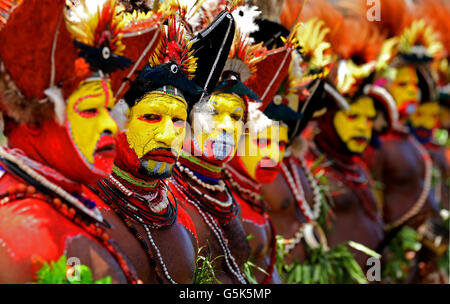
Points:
x=50 y=144
x=266 y=170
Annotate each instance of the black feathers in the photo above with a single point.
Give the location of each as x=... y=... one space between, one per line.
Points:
x=102 y=58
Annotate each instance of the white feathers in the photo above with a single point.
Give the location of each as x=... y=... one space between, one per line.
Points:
x=194 y=16
x=80 y=10
x=120 y=114
x=202 y=117
x=297 y=59
x=245 y=16
x=257 y=121
x=55 y=95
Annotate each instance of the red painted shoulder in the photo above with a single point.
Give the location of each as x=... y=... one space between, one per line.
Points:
x=248 y=213
x=31 y=227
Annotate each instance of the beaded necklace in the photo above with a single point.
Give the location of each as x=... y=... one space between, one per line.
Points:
x=210 y=209
x=249 y=191
x=295 y=185
x=353 y=176
x=216 y=229
x=225 y=211
x=157 y=221
x=62 y=205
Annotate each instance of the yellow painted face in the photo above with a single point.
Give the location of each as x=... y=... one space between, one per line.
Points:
x=354 y=126
x=426 y=116
x=218 y=126
x=405 y=90
x=262 y=152
x=90 y=126
x=156 y=130
x=424 y=120
x=444 y=117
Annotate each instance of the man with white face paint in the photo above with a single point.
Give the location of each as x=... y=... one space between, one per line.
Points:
x=197 y=179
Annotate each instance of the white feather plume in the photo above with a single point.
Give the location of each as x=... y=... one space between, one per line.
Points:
x=120 y=114
x=55 y=95
x=257 y=120
x=244 y=17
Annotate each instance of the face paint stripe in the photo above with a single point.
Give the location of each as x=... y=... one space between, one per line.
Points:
x=106 y=90
x=83 y=114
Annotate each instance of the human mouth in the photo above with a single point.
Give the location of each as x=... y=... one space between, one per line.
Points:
x=360 y=139
x=161 y=155
x=267 y=170
x=105 y=147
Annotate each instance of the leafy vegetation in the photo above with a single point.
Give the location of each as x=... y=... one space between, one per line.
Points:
x=335 y=266
x=249 y=267
x=397 y=266
x=204 y=270
x=60 y=273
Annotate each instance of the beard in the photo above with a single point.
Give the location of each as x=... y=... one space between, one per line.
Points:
x=155 y=170
x=423 y=135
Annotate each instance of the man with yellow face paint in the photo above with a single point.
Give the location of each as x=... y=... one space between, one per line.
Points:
x=260 y=151
x=198 y=181
x=424 y=121
x=404 y=88
x=158 y=235
x=354 y=126
x=343 y=136
x=398 y=160
x=55 y=94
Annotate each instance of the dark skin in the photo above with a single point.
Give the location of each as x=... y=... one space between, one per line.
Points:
x=261 y=246
x=284 y=212
x=398 y=165
x=350 y=221
x=441 y=189
x=236 y=236
x=178 y=255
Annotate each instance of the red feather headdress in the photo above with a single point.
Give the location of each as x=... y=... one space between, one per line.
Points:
x=36 y=41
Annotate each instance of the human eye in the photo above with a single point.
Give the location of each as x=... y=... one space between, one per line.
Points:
x=152 y=118
x=263 y=142
x=178 y=122
x=236 y=117
x=352 y=116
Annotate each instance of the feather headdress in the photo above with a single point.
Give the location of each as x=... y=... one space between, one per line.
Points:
x=174 y=47
x=240 y=66
x=358 y=45
x=6 y=8
x=317 y=56
x=97 y=30
x=419 y=42
x=394 y=15
x=171 y=67
x=46 y=48
x=274 y=68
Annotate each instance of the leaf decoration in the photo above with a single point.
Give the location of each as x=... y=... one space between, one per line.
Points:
x=60 y=272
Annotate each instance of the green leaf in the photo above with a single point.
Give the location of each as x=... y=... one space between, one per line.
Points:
x=366 y=250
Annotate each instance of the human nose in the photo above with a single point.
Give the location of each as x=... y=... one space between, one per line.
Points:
x=226 y=124
x=167 y=134
x=107 y=125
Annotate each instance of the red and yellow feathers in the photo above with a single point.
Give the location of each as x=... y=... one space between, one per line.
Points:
x=176 y=48
x=6 y=7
